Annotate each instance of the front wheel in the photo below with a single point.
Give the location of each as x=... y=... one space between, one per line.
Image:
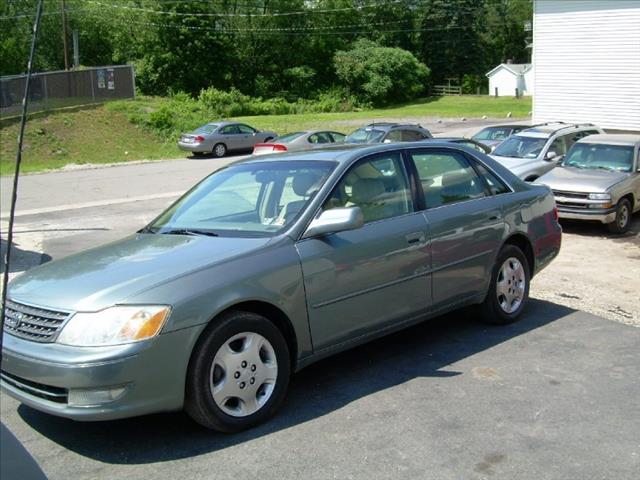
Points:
x=509 y=289
x=622 y=221
x=238 y=374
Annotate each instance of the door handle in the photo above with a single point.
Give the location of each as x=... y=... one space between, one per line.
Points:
x=415 y=238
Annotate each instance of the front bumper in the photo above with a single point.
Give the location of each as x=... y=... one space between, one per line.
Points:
x=599 y=215
x=152 y=374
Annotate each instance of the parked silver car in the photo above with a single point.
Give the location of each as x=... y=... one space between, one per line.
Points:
x=533 y=152
x=267 y=266
x=300 y=141
x=495 y=134
x=387 y=132
x=599 y=180
x=221 y=137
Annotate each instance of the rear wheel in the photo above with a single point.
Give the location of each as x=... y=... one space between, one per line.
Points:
x=220 y=150
x=509 y=289
x=622 y=221
x=238 y=374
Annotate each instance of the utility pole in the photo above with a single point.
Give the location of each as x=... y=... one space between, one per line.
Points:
x=63 y=11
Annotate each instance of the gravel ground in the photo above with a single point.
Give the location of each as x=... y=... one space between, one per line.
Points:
x=595 y=272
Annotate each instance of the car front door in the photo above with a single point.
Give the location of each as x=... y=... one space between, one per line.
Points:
x=465 y=222
x=231 y=137
x=363 y=280
x=247 y=136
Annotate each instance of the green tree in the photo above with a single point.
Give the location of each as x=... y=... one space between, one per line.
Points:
x=380 y=75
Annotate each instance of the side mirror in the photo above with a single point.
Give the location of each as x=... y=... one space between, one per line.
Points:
x=335 y=220
x=551 y=155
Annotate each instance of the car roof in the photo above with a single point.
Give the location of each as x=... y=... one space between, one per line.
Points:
x=345 y=153
x=509 y=125
x=545 y=130
x=390 y=125
x=612 y=139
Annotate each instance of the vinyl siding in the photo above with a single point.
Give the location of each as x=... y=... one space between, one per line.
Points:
x=586 y=56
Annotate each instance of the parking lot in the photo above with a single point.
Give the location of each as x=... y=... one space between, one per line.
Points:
x=551 y=396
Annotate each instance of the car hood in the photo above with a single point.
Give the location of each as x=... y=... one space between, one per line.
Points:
x=571 y=179
x=107 y=275
x=513 y=162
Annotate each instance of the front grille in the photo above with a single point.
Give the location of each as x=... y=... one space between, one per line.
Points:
x=576 y=195
x=32 y=323
x=47 y=392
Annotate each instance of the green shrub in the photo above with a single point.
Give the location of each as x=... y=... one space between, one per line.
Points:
x=380 y=75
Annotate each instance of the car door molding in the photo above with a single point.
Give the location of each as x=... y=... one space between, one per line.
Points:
x=371 y=289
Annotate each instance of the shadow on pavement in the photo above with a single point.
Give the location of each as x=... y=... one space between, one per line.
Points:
x=22 y=259
x=596 y=229
x=426 y=350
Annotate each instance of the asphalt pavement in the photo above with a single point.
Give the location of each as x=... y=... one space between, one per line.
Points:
x=553 y=396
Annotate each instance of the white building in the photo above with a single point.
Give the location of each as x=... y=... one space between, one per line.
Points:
x=586 y=55
x=506 y=77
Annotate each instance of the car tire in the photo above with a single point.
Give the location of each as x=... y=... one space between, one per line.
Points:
x=509 y=289
x=219 y=150
x=622 y=221
x=238 y=374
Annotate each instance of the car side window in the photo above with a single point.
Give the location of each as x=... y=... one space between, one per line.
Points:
x=320 y=137
x=338 y=137
x=394 y=136
x=246 y=129
x=378 y=185
x=496 y=186
x=559 y=146
x=412 y=136
x=446 y=177
x=229 y=130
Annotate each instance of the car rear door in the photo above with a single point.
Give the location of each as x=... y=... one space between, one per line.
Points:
x=364 y=280
x=465 y=222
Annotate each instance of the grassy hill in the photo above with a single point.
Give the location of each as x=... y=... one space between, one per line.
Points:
x=114 y=132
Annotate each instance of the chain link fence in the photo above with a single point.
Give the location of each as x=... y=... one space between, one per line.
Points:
x=52 y=90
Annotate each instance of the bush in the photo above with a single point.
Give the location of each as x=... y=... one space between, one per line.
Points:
x=474 y=84
x=380 y=75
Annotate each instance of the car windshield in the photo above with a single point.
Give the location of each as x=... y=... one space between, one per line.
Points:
x=365 y=135
x=288 y=137
x=209 y=128
x=518 y=146
x=250 y=199
x=493 y=133
x=598 y=156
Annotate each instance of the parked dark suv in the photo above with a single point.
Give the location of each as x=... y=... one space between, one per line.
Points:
x=389 y=133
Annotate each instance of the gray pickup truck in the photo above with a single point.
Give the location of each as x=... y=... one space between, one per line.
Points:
x=599 y=179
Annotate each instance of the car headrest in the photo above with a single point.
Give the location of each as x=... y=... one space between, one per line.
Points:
x=366 y=190
x=305 y=184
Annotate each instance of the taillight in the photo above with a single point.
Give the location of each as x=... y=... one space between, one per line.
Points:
x=278 y=147
x=199 y=138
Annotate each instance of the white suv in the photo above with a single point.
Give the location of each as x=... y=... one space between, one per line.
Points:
x=533 y=152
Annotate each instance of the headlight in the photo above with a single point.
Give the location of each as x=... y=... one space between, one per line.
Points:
x=114 y=326
x=599 y=196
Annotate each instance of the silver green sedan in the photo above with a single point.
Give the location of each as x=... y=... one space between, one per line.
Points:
x=267 y=266
x=219 y=138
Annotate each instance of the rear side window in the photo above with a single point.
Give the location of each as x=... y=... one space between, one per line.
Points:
x=412 y=136
x=446 y=177
x=496 y=186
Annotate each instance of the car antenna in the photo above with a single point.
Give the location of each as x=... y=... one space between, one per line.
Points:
x=16 y=175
